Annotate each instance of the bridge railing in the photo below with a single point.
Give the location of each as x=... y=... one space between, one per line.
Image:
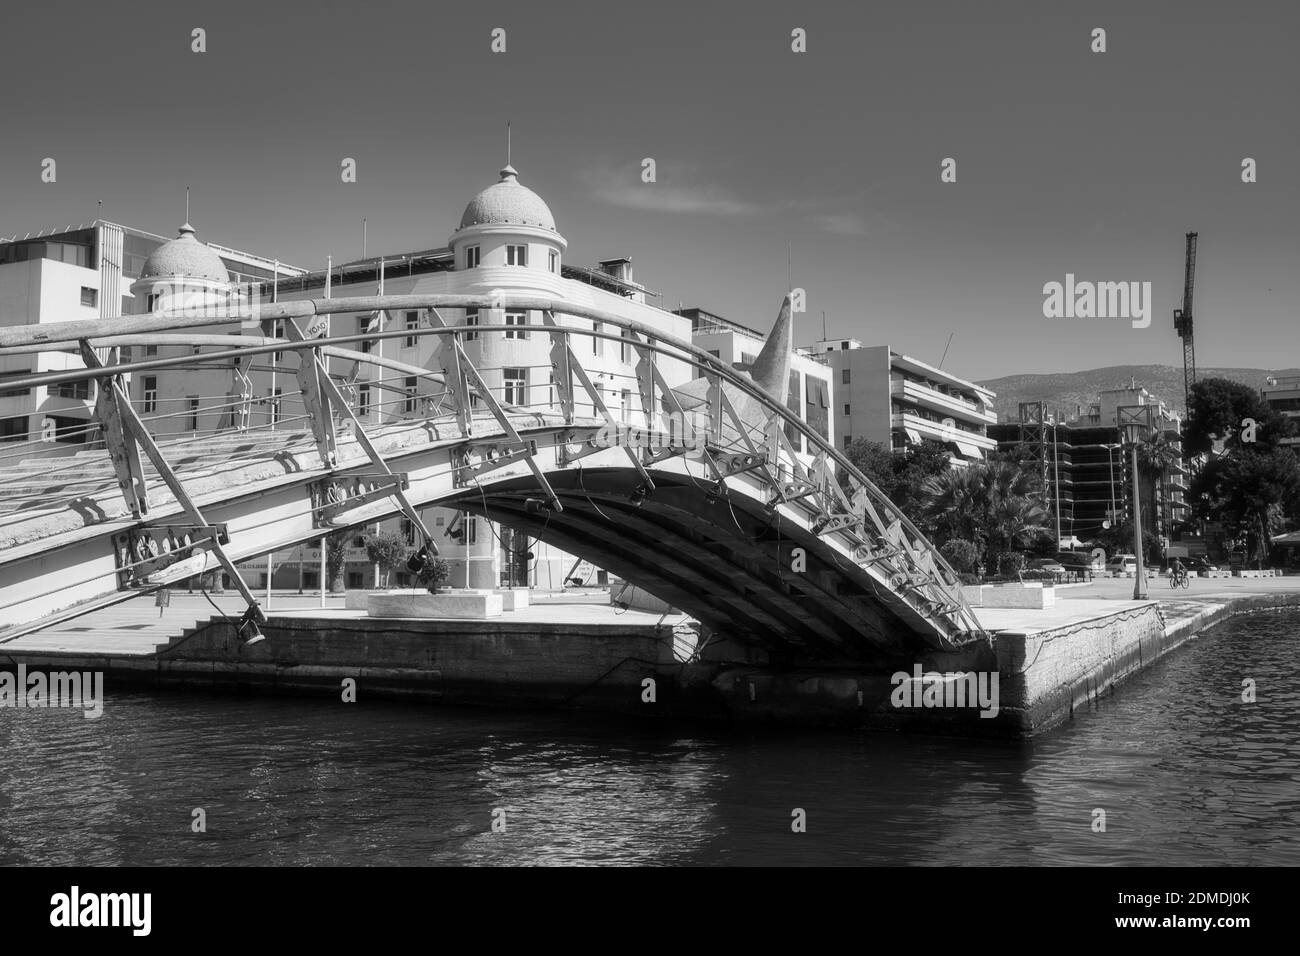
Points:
x=747 y=427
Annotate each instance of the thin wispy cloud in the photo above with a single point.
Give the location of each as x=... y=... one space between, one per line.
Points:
x=678 y=189
x=840 y=223
x=656 y=198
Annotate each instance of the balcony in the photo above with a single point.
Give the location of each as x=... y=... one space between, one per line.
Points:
x=941 y=402
x=918 y=428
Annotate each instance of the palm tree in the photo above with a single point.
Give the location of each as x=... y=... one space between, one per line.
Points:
x=1156 y=454
x=996 y=505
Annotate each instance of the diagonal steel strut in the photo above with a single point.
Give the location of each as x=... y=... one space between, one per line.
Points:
x=131 y=423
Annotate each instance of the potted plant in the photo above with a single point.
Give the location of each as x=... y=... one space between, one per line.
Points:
x=432 y=570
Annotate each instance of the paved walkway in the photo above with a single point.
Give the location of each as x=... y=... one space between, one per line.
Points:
x=1082 y=602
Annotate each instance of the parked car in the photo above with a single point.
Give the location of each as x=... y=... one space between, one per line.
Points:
x=1079 y=561
x=1123 y=563
x=1201 y=565
x=1044 y=568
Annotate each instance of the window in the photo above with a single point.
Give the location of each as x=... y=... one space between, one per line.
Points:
x=715 y=353
x=89 y=296
x=471 y=530
x=277 y=331
x=150 y=394
x=471 y=257
x=194 y=412
x=595 y=342
x=550 y=391
x=151 y=302
x=354 y=580
x=150 y=351
x=408 y=405
x=363 y=326
x=846 y=408
x=78 y=390
x=412 y=323
x=471 y=318
x=625 y=347
x=275 y=405
x=848 y=440
x=626 y=397
x=363 y=401
x=516 y=255
x=515 y=382
x=13 y=429
x=366 y=346
x=555 y=261
x=844 y=376
x=517 y=318
x=407 y=529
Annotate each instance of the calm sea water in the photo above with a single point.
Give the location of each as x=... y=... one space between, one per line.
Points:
x=1186 y=773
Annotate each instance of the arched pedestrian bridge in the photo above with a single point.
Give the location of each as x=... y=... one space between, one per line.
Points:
x=702 y=500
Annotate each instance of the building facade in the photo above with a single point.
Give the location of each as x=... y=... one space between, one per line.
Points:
x=99 y=270
x=506 y=243
x=892 y=399
x=1086 y=469
x=1283 y=396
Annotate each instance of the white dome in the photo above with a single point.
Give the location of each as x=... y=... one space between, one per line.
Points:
x=509 y=203
x=185 y=256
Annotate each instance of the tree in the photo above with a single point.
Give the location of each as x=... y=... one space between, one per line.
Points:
x=996 y=505
x=389 y=550
x=1248 y=491
x=1217 y=409
x=1156 y=455
x=963 y=555
x=336 y=554
x=900 y=474
x=433 y=571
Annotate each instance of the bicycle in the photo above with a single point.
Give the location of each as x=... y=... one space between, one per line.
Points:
x=1180 y=579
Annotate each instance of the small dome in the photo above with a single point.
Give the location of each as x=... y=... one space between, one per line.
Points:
x=185 y=256
x=508 y=202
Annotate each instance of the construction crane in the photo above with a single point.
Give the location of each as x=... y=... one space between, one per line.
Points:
x=1183 y=324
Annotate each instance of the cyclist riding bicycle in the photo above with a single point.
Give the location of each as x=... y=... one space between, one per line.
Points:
x=1176 y=570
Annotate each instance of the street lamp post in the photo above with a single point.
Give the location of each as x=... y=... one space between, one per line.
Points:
x=1133 y=435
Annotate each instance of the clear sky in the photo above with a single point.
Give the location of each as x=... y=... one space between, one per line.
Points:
x=1067 y=161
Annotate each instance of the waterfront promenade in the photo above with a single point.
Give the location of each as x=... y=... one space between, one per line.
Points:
x=574 y=649
x=137 y=628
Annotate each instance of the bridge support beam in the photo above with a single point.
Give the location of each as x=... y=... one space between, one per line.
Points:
x=131 y=423
x=122 y=448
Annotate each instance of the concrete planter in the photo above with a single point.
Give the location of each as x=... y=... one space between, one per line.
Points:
x=512 y=599
x=1029 y=595
x=447 y=605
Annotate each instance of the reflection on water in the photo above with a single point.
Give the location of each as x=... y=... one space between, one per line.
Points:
x=1186 y=772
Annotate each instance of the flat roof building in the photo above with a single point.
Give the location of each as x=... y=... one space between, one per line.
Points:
x=890 y=398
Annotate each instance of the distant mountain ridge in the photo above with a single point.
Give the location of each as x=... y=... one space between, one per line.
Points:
x=1067 y=390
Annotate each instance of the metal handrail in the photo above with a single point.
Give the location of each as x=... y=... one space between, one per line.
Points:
x=46 y=337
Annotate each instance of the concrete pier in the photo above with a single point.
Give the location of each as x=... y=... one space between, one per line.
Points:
x=1048 y=662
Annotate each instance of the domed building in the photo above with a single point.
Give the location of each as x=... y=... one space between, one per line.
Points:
x=508 y=224
x=183 y=274
x=506 y=242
